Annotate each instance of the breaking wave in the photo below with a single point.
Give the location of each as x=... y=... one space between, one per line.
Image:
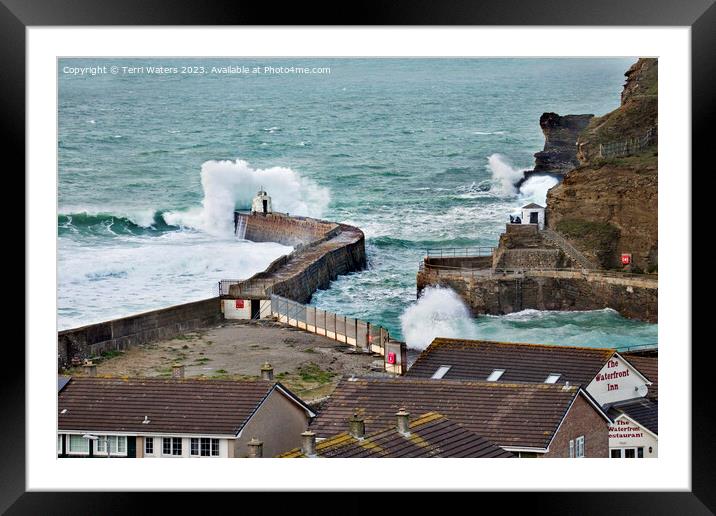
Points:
x=229 y=185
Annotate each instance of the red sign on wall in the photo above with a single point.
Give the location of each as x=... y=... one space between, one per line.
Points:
x=626 y=258
x=239 y=303
x=391 y=358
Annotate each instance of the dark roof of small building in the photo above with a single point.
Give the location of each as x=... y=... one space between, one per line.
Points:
x=532 y=205
x=649 y=367
x=62 y=381
x=476 y=359
x=642 y=410
x=508 y=414
x=431 y=435
x=197 y=406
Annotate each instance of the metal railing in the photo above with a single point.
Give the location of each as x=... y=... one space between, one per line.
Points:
x=638 y=347
x=629 y=146
x=455 y=252
x=355 y=332
x=521 y=271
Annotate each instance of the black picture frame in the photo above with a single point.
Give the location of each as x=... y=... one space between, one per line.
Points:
x=700 y=15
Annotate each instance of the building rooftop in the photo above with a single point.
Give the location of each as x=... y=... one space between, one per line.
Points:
x=531 y=206
x=478 y=360
x=649 y=367
x=431 y=435
x=642 y=410
x=210 y=407
x=508 y=414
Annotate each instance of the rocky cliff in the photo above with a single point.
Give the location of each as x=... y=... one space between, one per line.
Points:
x=608 y=204
x=559 y=155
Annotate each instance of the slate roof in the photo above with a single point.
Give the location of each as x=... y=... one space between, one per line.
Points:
x=649 y=367
x=642 y=410
x=431 y=435
x=508 y=414
x=62 y=381
x=182 y=406
x=476 y=359
x=532 y=205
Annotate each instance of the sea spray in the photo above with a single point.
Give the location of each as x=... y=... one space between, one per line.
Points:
x=438 y=313
x=535 y=189
x=504 y=175
x=228 y=185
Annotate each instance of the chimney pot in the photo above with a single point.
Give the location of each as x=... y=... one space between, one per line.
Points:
x=177 y=371
x=308 y=443
x=90 y=369
x=267 y=372
x=356 y=426
x=402 y=416
x=256 y=449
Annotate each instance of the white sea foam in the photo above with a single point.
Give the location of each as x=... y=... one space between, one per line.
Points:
x=132 y=274
x=229 y=185
x=535 y=189
x=141 y=216
x=504 y=174
x=438 y=313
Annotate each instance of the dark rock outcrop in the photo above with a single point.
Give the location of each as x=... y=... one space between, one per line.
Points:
x=560 y=142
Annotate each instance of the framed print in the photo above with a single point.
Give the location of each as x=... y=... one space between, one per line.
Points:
x=430 y=234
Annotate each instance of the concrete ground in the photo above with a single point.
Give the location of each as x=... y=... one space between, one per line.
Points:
x=310 y=365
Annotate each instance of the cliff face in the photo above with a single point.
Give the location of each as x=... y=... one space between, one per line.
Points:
x=608 y=204
x=560 y=142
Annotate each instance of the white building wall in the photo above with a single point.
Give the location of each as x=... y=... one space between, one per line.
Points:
x=617 y=381
x=232 y=311
x=627 y=433
x=540 y=216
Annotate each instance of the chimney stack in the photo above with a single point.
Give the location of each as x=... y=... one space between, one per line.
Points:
x=267 y=372
x=308 y=444
x=177 y=371
x=356 y=426
x=90 y=368
x=403 y=426
x=256 y=449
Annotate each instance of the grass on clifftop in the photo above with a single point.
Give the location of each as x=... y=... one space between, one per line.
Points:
x=598 y=238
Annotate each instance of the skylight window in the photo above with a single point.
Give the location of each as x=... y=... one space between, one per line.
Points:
x=552 y=378
x=441 y=371
x=495 y=375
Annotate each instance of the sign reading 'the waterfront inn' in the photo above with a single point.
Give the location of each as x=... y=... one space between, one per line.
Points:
x=617 y=381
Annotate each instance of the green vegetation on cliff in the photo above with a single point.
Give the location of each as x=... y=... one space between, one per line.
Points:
x=601 y=237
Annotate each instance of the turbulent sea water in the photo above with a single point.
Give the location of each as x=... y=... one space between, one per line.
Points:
x=418 y=153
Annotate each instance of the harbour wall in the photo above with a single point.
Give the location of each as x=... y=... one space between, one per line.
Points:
x=497 y=294
x=119 y=334
x=326 y=251
x=323 y=251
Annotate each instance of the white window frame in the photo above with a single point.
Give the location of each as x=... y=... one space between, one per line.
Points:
x=579 y=447
x=146 y=440
x=113 y=445
x=69 y=445
x=440 y=372
x=552 y=378
x=171 y=447
x=495 y=375
x=214 y=445
x=59 y=444
x=571 y=448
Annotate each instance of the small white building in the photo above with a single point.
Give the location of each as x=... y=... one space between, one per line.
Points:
x=261 y=203
x=533 y=214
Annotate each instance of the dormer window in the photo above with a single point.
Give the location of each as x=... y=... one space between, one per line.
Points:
x=495 y=375
x=552 y=378
x=440 y=372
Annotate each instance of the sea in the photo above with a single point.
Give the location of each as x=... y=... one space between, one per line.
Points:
x=155 y=154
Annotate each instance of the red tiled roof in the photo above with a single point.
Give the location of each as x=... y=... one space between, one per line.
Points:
x=215 y=407
x=508 y=414
x=476 y=359
x=431 y=435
